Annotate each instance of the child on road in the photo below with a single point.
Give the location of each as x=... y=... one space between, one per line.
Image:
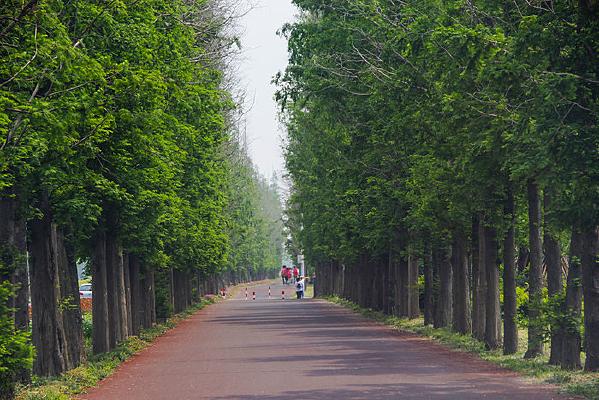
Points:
x=299 y=288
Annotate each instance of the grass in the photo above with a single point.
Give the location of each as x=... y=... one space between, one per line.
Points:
x=579 y=383
x=309 y=292
x=98 y=367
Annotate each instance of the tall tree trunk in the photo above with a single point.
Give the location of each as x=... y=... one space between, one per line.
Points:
x=480 y=277
x=387 y=286
x=114 y=330
x=436 y=285
x=136 y=296
x=397 y=284
x=21 y=277
x=523 y=258
x=554 y=281
x=535 y=279
x=590 y=285
x=404 y=289
x=13 y=252
x=101 y=336
x=570 y=348
x=510 y=327
x=121 y=294
x=47 y=324
x=461 y=284
x=69 y=299
x=492 y=312
x=127 y=279
x=475 y=274
x=428 y=285
x=149 y=297
x=172 y=296
x=444 y=305
x=414 y=299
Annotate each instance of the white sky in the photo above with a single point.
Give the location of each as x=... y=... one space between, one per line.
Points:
x=264 y=54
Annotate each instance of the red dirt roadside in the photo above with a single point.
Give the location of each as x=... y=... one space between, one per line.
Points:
x=303 y=350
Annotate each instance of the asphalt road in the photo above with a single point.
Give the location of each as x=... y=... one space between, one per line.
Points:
x=302 y=350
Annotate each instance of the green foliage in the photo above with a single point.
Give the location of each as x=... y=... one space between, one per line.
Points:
x=254 y=217
x=16 y=352
x=419 y=115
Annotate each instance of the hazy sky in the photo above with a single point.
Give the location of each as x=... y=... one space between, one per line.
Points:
x=264 y=54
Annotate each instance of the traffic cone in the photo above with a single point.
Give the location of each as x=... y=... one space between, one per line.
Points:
x=269 y=293
x=246 y=293
x=282 y=295
x=253 y=295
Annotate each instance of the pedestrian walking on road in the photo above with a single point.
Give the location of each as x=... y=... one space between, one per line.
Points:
x=299 y=288
x=295 y=274
x=284 y=274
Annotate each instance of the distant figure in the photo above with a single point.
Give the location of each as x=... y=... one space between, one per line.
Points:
x=295 y=274
x=299 y=288
x=284 y=274
x=288 y=275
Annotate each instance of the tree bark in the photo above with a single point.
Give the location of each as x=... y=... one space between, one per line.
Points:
x=13 y=251
x=461 y=284
x=122 y=315
x=100 y=335
x=149 y=299
x=136 y=301
x=69 y=299
x=414 y=299
x=590 y=285
x=444 y=306
x=510 y=327
x=127 y=279
x=523 y=258
x=404 y=286
x=480 y=277
x=47 y=324
x=535 y=278
x=554 y=281
x=492 y=311
x=114 y=331
x=428 y=285
x=570 y=348
x=475 y=277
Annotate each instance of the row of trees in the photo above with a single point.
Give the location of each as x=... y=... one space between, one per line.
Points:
x=455 y=144
x=118 y=147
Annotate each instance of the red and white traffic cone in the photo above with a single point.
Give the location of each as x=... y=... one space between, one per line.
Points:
x=269 y=293
x=253 y=295
x=246 y=293
x=282 y=295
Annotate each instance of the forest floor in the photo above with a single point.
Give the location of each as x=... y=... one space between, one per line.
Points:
x=308 y=349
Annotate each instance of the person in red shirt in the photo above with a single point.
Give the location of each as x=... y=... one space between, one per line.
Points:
x=284 y=277
x=295 y=274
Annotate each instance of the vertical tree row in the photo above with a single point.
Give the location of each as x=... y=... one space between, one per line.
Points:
x=114 y=141
x=456 y=142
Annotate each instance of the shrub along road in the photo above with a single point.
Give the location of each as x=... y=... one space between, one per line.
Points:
x=309 y=349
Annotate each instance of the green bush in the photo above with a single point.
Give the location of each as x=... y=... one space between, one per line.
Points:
x=16 y=352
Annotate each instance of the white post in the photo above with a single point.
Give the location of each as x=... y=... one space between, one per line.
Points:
x=300 y=261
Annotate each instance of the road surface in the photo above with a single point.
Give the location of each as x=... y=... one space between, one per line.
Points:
x=302 y=350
